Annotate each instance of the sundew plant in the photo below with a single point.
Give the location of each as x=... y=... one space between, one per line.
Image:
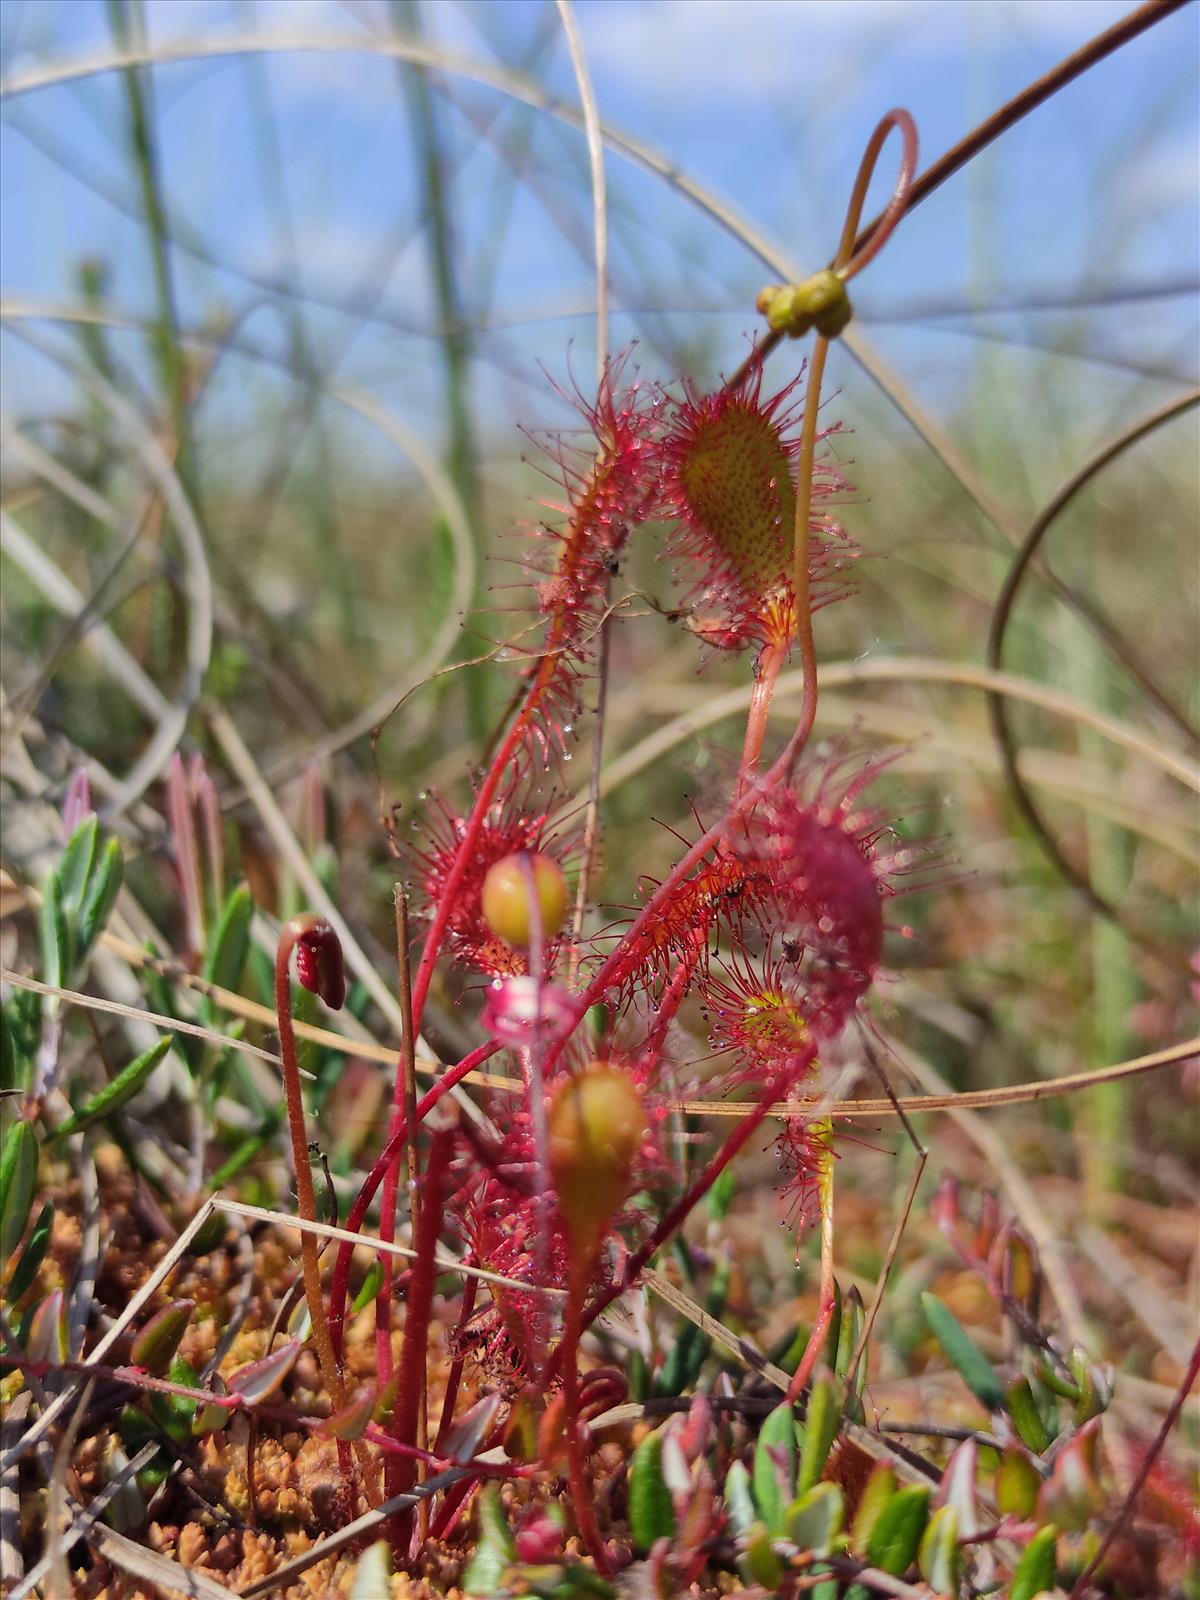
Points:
x=611 y=1107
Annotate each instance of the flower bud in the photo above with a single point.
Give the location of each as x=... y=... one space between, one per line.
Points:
x=319 y=966
x=597 y=1127
x=510 y=886
x=820 y=302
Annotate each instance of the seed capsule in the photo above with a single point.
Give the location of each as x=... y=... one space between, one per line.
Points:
x=597 y=1126
x=507 y=892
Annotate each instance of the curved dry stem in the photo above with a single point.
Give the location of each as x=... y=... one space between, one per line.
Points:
x=965 y=1100
x=197 y=581
x=997 y=709
x=901 y=669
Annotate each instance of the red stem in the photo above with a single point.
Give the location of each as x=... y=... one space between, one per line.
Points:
x=339 y=1283
x=450 y=1399
x=401 y=1473
x=568 y=1358
x=770 y=663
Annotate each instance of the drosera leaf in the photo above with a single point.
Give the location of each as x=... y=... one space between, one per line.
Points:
x=1035 y=1572
x=18 y=1177
x=896 y=1536
x=814 y=1520
x=494 y=1551
x=774 y=1473
x=118 y=1092
x=820 y=1428
x=155 y=1346
x=960 y=1349
x=651 y=1510
x=32 y=1256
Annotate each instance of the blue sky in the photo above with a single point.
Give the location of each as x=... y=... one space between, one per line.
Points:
x=765 y=102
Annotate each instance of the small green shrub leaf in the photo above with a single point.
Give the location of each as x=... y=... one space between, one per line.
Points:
x=155 y=1346
x=820 y=1428
x=259 y=1380
x=1027 y=1419
x=651 y=1512
x=77 y=864
x=33 y=1254
x=896 y=1536
x=775 y=1468
x=973 y=1366
x=373 y=1573
x=494 y=1550
x=370 y=1288
x=226 y=954
x=939 y=1557
x=122 y=1089
x=99 y=899
x=739 y=1502
x=18 y=1176
x=1017 y=1484
x=1035 y=1571
x=880 y=1488
x=55 y=932
x=814 y=1520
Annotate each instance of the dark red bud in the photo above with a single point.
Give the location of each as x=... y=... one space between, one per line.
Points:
x=319 y=966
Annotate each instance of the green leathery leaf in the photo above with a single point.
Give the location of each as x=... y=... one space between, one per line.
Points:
x=33 y=1255
x=814 y=1519
x=939 y=1558
x=494 y=1549
x=1035 y=1571
x=896 y=1536
x=18 y=1177
x=774 y=1473
x=973 y=1366
x=99 y=898
x=820 y=1428
x=119 y=1091
x=651 y=1512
